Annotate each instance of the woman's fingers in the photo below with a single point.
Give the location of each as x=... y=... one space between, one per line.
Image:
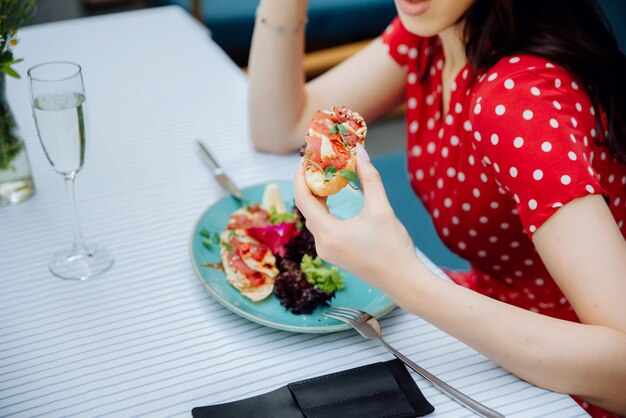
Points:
x=312 y=207
x=373 y=189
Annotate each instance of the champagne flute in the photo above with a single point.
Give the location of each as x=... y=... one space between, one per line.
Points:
x=57 y=98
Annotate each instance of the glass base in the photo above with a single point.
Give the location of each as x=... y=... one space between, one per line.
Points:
x=71 y=266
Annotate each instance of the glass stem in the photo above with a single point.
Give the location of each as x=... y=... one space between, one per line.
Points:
x=78 y=243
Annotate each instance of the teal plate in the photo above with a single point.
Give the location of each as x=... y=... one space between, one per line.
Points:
x=269 y=312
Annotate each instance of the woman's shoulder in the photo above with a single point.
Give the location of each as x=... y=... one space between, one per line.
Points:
x=532 y=72
x=528 y=100
x=527 y=89
x=533 y=126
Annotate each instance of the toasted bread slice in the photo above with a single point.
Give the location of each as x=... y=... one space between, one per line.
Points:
x=315 y=179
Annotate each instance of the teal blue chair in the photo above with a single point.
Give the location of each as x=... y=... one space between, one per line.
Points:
x=411 y=212
x=615 y=12
x=331 y=22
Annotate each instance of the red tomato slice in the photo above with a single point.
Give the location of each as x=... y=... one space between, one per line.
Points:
x=256 y=278
x=256 y=250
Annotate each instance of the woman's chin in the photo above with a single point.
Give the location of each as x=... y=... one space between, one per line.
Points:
x=419 y=26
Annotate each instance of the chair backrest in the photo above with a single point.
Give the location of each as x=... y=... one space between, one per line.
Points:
x=232 y=21
x=615 y=12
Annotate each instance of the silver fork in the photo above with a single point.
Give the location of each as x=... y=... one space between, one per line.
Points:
x=369 y=327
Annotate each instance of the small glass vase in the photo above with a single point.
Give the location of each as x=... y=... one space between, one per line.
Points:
x=16 y=180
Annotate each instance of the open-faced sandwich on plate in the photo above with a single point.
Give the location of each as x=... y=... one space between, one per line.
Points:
x=249 y=264
x=267 y=250
x=254 y=235
x=330 y=149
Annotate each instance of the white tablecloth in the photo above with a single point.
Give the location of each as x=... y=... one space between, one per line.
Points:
x=145 y=338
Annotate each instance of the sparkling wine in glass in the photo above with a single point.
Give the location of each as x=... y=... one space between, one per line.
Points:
x=57 y=98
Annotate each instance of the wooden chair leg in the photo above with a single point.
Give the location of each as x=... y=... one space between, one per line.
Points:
x=196 y=10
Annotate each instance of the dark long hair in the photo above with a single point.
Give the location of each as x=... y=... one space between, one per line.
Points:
x=572 y=33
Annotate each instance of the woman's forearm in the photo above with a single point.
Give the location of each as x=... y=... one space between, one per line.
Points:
x=585 y=360
x=276 y=75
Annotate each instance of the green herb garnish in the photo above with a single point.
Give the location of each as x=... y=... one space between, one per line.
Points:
x=326 y=278
x=210 y=240
x=338 y=128
x=351 y=176
x=278 y=218
x=329 y=173
x=341 y=130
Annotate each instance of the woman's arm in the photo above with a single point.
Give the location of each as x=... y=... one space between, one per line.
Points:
x=281 y=104
x=585 y=252
x=586 y=255
x=583 y=359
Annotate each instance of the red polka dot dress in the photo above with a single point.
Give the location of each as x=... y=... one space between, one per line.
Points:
x=516 y=144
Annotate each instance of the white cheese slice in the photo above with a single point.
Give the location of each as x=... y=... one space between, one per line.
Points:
x=326 y=148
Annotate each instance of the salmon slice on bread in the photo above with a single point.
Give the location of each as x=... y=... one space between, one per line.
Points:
x=330 y=149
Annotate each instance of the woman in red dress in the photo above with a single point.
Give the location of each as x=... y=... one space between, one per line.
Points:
x=516 y=127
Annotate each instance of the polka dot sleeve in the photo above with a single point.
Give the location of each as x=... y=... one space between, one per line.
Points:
x=403 y=46
x=534 y=125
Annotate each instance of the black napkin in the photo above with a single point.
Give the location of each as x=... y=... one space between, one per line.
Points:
x=374 y=391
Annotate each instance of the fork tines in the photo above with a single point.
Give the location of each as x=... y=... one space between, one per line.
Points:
x=346 y=314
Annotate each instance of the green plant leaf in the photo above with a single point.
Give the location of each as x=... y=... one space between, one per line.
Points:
x=10 y=71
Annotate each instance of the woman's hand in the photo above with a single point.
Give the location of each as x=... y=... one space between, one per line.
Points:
x=367 y=245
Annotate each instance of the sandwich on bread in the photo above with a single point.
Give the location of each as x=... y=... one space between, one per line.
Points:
x=330 y=149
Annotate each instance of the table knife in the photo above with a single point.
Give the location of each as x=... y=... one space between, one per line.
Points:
x=219 y=174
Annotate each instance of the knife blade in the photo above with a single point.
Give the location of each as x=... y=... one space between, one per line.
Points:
x=224 y=181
